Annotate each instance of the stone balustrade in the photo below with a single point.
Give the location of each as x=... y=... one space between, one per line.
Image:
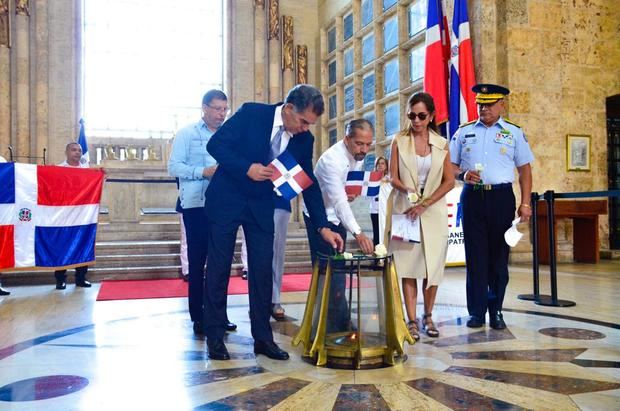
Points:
x=152 y=150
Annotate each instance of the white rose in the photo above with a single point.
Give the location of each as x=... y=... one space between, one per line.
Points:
x=380 y=250
x=479 y=167
x=413 y=197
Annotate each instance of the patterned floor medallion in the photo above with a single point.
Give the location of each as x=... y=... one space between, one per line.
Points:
x=525 y=366
x=572 y=333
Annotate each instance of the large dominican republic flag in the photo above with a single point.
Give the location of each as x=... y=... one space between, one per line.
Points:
x=363 y=183
x=462 y=76
x=48 y=216
x=436 y=60
x=288 y=178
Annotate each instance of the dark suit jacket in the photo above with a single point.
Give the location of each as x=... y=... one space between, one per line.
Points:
x=245 y=139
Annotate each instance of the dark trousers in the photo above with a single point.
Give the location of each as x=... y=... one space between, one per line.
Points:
x=196 y=232
x=486 y=216
x=338 y=314
x=80 y=274
x=222 y=238
x=374 y=218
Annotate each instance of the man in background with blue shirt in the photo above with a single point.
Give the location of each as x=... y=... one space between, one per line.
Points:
x=194 y=166
x=485 y=153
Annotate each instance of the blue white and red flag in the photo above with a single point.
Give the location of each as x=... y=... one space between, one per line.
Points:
x=436 y=59
x=289 y=179
x=363 y=183
x=48 y=216
x=462 y=76
x=82 y=142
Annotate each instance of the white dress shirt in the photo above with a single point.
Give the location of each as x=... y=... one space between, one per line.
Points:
x=81 y=165
x=331 y=172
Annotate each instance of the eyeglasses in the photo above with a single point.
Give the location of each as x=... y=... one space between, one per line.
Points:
x=422 y=116
x=219 y=109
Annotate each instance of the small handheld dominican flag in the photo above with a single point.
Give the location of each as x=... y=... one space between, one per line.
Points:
x=48 y=215
x=363 y=183
x=289 y=179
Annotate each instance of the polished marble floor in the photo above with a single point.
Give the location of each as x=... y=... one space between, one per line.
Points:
x=62 y=350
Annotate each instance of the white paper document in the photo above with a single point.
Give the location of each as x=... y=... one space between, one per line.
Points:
x=405 y=229
x=512 y=235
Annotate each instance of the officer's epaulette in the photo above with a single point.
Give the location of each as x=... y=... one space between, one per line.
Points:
x=510 y=122
x=466 y=124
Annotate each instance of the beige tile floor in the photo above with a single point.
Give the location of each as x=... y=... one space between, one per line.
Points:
x=141 y=354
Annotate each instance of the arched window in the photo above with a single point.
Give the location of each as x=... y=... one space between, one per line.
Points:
x=147 y=64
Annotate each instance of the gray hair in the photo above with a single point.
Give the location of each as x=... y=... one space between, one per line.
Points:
x=358 y=124
x=305 y=96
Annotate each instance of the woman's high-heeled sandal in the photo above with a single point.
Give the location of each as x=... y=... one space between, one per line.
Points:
x=429 y=326
x=414 y=329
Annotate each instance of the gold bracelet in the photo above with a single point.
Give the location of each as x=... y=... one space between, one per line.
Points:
x=525 y=205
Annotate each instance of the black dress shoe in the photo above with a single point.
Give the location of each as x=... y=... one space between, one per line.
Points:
x=61 y=285
x=475 y=322
x=244 y=276
x=4 y=292
x=270 y=349
x=83 y=283
x=230 y=326
x=217 y=350
x=198 y=328
x=496 y=321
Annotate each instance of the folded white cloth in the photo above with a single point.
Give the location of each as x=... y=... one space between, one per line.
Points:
x=512 y=235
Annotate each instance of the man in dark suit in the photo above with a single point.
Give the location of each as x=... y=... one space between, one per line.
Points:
x=241 y=194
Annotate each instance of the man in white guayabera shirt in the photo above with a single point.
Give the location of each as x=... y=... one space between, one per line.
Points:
x=73 y=154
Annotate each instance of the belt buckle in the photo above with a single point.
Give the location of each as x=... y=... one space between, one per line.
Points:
x=487 y=187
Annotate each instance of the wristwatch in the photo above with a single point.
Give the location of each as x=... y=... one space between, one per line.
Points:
x=462 y=176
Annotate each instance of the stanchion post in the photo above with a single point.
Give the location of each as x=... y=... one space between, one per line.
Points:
x=553 y=273
x=535 y=264
x=545 y=300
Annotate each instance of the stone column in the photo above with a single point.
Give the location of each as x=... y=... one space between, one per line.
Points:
x=288 y=76
x=5 y=82
x=275 y=52
x=260 y=53
x=41 y=67
x=22 y=80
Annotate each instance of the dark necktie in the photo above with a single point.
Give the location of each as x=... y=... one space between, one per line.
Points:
x=275 y=144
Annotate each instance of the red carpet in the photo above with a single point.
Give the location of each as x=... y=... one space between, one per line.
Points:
x=167 y=288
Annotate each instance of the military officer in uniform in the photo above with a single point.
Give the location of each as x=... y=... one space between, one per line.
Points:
x=485 y=153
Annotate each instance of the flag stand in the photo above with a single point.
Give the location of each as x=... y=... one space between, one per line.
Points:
x=43 y=157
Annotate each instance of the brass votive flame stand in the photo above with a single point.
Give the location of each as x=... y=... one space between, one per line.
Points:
x=366 y=331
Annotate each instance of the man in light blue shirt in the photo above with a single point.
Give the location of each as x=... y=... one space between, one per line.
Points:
x=194 y=166
x=485 y=153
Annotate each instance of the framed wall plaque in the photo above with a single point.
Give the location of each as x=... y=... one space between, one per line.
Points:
x=578 y=152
